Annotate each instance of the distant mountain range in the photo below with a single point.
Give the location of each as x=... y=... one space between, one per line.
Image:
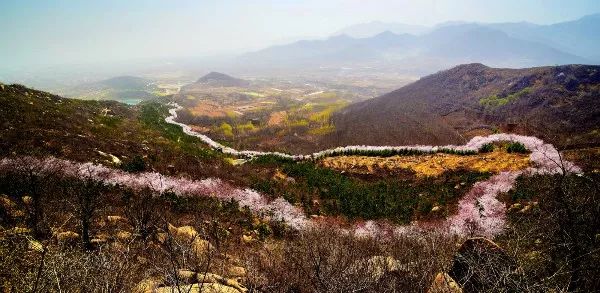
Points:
x=558 y=103
x=425 y=50
x=578 y=37
x=365 y=30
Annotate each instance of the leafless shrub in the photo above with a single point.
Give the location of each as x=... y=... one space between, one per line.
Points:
x=31 y=176
x=556 y=241
x=328 y=260
x=64 y=270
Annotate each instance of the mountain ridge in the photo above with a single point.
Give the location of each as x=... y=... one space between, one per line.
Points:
x=558 y=103
x=513 y=45
x=448 y=45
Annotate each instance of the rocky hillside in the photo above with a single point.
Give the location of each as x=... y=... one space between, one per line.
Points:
x=38 y=123
x=559 y=103
x=137 y=206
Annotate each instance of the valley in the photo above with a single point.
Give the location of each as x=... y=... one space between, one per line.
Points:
x=234 y=147
x=268 y=115
x=371 y=192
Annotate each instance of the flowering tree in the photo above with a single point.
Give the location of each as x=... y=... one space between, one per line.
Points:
x=279 y=209
x=479 y=211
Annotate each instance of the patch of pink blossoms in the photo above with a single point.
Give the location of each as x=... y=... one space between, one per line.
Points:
x=479 y=211
x=278 y=209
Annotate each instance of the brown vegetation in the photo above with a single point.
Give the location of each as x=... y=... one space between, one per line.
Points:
x=74 y=235
x=439 y=108
x=429 y=165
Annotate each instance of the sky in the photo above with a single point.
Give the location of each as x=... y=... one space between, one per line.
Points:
x=36 y=33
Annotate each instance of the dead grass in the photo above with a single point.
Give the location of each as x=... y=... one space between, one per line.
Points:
x=208 y=109
x=429 y=165
x=277 y=118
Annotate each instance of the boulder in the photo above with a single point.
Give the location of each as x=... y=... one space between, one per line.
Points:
x=216 y=279
x=247 y=239
x=148 y=285
x=443 y=283
x=161 y=237
x=219 y=288
x=98 y=241
x=116 y=219
x=123 y=235
x=198 y=288
x=6 y=203
x=209 y=278
x=236 y=272
x=526 y=209
x=10 y=208
x=191 y=281
x=200 y=247
x=187 y=234
x=18 y=230
x=186 y=276
x=380 y=265
x=184 y=232
x=102 y=237
x=117 y=247
x=35 y=245
x=28 y=200
x=515 y=207
x=67 y=237
x=480 y=265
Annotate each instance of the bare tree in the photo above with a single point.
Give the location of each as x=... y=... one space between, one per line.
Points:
x=88 y=193
x=30 y=176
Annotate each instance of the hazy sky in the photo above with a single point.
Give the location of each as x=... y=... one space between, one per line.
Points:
x=47 y=32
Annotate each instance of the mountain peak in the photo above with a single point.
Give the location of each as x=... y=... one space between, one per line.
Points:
x=386 y=33
x=469 y=67
x=220 y=79
x=213 y=75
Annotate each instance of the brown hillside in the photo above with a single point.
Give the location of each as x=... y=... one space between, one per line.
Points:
x=557 y=103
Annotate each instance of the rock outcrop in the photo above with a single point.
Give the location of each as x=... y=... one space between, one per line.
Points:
x=190 y=281
x=443 y=283
x=67 y=237
x=480 y=265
